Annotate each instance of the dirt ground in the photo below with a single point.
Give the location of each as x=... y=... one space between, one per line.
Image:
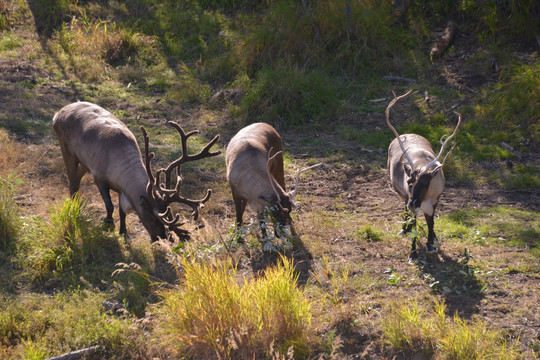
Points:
x=361 y=189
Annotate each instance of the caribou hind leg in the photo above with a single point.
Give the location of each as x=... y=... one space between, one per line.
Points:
x=240 y=206
x=75 y=171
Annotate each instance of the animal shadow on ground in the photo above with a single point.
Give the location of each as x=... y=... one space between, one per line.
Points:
x=454 y=279
x=298 y=253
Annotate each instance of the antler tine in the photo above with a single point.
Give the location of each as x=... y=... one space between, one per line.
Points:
x=167 y=194
x=387 y=116
x=270 y=158
x=298 y=179
x=185 y=157
x=194 y=204
x=148 y=157
x=163 y=218
x=432 y=163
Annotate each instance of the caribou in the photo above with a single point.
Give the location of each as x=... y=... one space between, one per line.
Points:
x=417 y=176
x=255 y=172
x=93 y=140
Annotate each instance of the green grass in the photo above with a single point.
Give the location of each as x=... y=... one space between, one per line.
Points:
x=67 y=243
x=10 y=221
x=427 y=331
x=498 y=225
x=40 y=326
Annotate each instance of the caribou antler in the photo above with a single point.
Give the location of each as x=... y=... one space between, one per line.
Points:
x=270 y=158
x=443 y=145
x=387 y=115
x=293 y=194
x=162 y=195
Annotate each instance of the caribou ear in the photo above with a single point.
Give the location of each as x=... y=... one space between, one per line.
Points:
x=408 y=169
x=435 y=171
x=269 y=198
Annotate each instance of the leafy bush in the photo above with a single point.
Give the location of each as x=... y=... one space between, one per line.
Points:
x=215 y=316
x=491 y=17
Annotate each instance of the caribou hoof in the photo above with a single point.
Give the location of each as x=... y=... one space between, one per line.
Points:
x=432 y=248
x=413 y=257
x=402 y=233
x=108 y=224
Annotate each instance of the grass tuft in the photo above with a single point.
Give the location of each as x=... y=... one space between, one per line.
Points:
x=213 y=315
x=67 y=242
x=413 y=330
x=10 y=221
x=289 y=97
x=39 y=326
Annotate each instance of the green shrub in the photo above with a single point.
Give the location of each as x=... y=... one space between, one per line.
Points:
x=212 y=315
x=491 y=17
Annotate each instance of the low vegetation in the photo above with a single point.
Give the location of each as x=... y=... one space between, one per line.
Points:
x=214 y=314
x=337 y=283
x=429 y=332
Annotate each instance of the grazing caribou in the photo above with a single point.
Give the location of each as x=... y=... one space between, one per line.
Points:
x=254 y=159
x=93 y=140
x=417 y=176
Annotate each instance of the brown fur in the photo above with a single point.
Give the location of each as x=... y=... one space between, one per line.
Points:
x=416 y=175
x=95 y=141
x=246 y=158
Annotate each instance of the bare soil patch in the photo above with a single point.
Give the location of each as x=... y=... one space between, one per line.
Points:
x=508 y=303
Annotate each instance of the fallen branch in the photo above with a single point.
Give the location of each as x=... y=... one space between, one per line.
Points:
x=445 y=41
x=77 y=354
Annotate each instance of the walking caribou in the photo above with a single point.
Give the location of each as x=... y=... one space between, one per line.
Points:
x=93 y=140
x=417 y=176
x=255 y=172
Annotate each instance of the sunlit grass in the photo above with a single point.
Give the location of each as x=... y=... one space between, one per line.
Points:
x=40 y=326
x=10 y=221
x=501 y=226
x=69 y=241
x=214 y=314
x=413 y=329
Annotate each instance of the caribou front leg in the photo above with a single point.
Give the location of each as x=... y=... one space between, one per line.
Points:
x=432 y=243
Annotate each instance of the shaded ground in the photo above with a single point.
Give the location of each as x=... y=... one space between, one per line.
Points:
x=508 y=302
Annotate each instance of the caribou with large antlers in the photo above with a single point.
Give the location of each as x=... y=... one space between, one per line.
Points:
x=417 y=176
x=93 y=140
x=254 y=159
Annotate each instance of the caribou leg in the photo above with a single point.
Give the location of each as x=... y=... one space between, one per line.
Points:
x=432 y=243
x=104 y=190
x=240 y=206
x=413 y=257
x=123 y=230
